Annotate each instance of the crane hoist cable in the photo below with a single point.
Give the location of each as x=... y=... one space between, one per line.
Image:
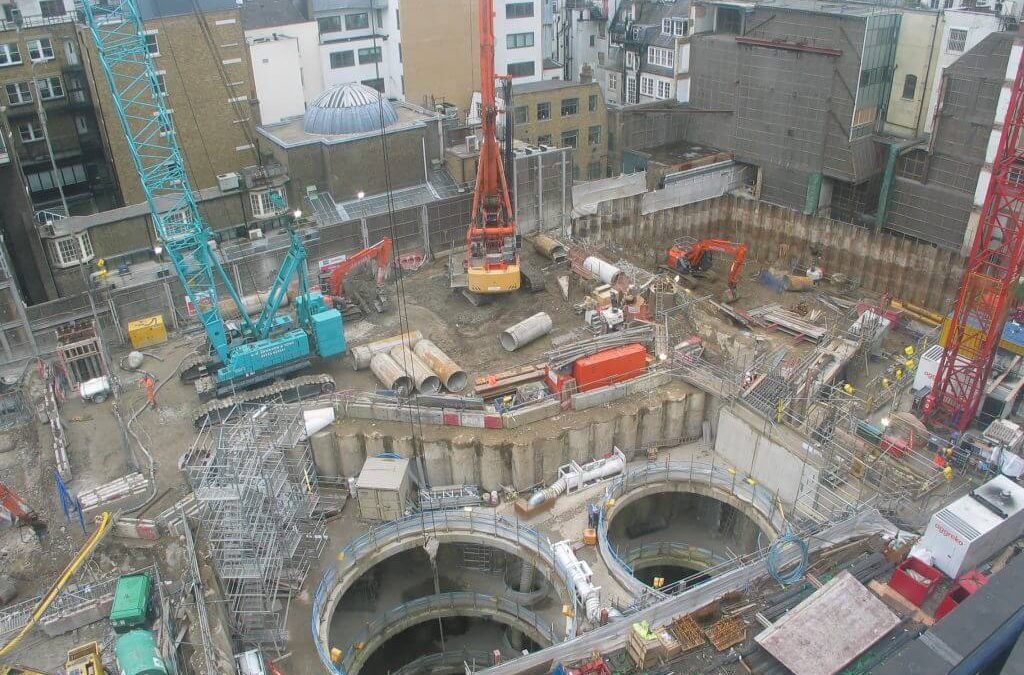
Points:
x=105 y=522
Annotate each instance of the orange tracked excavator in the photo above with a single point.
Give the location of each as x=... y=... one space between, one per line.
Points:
x=379 y=253
x=688 y=258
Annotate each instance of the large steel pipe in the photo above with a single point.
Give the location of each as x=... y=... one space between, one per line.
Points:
x=422 y=376
x=525 y=332
x=391 y=374
x=602 y=269
x=362 y=354
x=452 y=376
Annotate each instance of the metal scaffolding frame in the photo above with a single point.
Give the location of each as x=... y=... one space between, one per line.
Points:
x=258 y=497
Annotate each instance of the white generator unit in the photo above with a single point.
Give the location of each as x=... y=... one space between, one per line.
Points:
x=974 y=528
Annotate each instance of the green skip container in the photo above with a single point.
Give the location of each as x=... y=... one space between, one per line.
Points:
x=137 y=654
x=131 y=602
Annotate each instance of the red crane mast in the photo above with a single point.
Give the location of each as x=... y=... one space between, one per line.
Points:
x=492 y=259
x=993 y=272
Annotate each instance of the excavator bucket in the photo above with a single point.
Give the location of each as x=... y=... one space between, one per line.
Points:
x=730 y=296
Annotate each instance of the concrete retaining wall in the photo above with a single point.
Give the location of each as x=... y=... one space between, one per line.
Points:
x=520 y=462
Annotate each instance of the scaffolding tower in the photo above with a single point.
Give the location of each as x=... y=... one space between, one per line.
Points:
x=258 y=495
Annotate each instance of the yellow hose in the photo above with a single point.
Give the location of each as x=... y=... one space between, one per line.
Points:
x=51 y=595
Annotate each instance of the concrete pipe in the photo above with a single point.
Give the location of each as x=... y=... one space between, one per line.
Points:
x=525 y=332
x=391 y=374
x=550 y=248
x=452 y=376
x=423 y=377
x=602 y=269
x=363 y=354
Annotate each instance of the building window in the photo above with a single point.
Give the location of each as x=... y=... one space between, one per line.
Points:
x=19 y=93
x=630 y=60
x=152 y=42
x=521 y=69
x=594 y=135
x=376 y=83
x=570 y=138
x=863 y=116
x=913 y=165
x=613 y=81
x=161 y=84
x=370 y=55
x=543 y=111
x=647 y=86
x=674 y=27
x=664 y=90
x=656 y=56
x=400 y=60
x=31 y=131
x=518 y=10
x=909 y=87
x=329 y=24
x=957 y=41
x=69 y=175
x=544 y=139
x=40 y=50
x=263 y=205
x=592 y=103
x=7 y=12
x=357 y=21
x=519 y=40
x=343 y=59
x=398 y=20
x=631 y=96
x=593 y=170
x=9 y=54
x=593 y=40
x=600 y=58
x=70 y=251
x=522 y=114
x=570 y=106
x=728 y=20
x=50 y=88
x=50 y=8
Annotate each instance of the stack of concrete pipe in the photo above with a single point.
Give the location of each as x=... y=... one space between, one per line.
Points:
x=392 y=375
x=424 y=379
x=363 y=354
x=452 y=376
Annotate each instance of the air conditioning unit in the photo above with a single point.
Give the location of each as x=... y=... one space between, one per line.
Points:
x=227 y=181
x=255 y=233
x=472 y=144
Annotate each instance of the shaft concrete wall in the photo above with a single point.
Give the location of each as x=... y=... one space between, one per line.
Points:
x=518 y=459
x=879 y=261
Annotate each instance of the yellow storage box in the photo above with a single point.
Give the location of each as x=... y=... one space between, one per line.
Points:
x=147 y=332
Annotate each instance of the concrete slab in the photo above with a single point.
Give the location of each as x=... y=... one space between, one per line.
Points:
x=831 y=628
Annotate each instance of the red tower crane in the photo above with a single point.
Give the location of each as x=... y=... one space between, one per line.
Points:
x=492 y=256
x=993 y=272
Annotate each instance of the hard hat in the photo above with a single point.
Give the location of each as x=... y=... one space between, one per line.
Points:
x=909 y=350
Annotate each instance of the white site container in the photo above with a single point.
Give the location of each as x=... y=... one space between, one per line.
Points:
x=966 y=533
x=384 y=488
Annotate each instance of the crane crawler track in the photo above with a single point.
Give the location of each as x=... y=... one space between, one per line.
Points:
x=288 y=391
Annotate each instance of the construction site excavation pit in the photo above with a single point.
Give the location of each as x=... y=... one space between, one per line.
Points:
x=490 y=578
x=675 y=535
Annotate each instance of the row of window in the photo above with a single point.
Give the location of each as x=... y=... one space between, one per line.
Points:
x=39 y=50
x=518 y=10
x=332 y=24
x=20 y=93
x=570 y=107
x=658 y=56
x=675 y=27
x=47 y=9
x=44 y=180
x=72 y=250
x=519 y=40
x=570 y=137
x=522 y=69
x=346 y=59
x=659 y=89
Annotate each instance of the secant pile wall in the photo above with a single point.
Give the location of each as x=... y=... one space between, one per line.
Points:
x=883 y=262
x=523 y=457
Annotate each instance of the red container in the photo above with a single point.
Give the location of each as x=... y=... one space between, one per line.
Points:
x=911 y=587
x=610 y=366
x=964 y=587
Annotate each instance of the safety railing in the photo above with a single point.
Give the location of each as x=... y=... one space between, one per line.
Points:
x=474 y=659
x=431 y=524
x=391 y=622
x=678 y=551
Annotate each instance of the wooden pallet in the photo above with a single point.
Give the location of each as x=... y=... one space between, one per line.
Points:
x=727 y=633
x=688 y=633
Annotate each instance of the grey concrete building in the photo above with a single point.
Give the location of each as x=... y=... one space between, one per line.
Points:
x=797 y=88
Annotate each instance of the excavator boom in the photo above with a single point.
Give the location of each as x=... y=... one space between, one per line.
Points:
x=689 y=258
x=379 y=252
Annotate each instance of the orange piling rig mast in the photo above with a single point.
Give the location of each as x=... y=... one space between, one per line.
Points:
x=990 y=279
x=492 y=254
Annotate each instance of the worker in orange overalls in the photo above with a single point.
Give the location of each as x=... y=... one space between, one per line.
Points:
x=149 y=384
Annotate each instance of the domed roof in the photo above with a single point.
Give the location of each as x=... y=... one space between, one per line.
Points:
x=350 y=108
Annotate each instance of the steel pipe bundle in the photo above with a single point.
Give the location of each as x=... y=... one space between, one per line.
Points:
x=423 y=377
x=559 y=358
x=391 y=374
x=525 y=332
x=452 y=376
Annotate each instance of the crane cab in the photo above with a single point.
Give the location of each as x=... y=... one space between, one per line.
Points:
x=84 y=660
